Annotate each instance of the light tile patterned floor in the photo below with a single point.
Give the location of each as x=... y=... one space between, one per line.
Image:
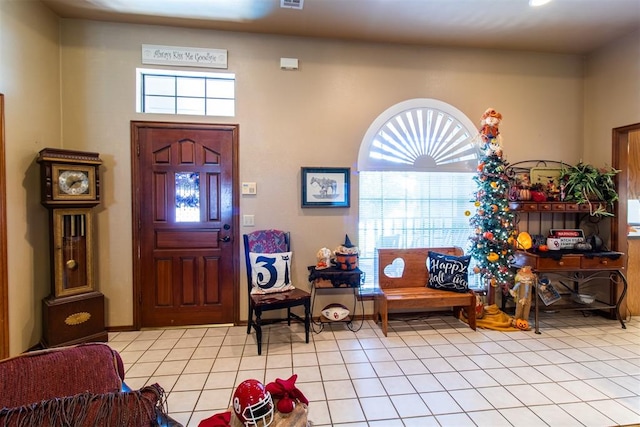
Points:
x=429 y=371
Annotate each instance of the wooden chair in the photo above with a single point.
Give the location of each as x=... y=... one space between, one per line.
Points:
x=272 y=241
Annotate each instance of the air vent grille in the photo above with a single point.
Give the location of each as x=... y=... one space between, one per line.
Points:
x=291 y=4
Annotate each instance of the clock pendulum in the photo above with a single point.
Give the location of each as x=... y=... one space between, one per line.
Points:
x=74 y=311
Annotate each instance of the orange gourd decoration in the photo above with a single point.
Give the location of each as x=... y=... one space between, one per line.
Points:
x=521 y=324
x=524 y=194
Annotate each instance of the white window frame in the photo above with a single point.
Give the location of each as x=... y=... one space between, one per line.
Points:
x=417 y=135
x=204 y=96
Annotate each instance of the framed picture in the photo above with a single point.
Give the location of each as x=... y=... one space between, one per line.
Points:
x=325 y=187
x=546 y=176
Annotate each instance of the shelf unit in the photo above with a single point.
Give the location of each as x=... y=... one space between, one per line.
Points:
x=578 y=269
x=334 y=278
x=574 y=268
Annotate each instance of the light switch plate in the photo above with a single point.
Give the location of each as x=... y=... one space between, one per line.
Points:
x=248 y=220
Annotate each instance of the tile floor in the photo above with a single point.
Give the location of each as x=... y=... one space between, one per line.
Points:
x=429 y=371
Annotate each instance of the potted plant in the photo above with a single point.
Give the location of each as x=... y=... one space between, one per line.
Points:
x=584 y=183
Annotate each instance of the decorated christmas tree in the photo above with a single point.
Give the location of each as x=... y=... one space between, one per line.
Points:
x=493 y=222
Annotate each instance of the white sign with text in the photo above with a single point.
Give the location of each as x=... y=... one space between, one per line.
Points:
x=184 y=56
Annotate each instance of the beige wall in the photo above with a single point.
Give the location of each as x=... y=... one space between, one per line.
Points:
x=30 y=80
x=612 y=99
x=612 y=94
x=316 y=116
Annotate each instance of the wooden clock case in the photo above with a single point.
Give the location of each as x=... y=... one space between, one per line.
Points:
x=73 y=313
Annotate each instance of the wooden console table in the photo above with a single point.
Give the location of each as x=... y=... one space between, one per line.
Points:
x=578 y=268
x=335 y=278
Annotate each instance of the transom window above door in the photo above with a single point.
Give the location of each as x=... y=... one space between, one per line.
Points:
x=185 y=92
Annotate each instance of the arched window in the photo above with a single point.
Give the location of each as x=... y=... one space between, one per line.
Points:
x=416 y=166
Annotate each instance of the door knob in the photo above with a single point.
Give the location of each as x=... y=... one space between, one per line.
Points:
x=225 y=239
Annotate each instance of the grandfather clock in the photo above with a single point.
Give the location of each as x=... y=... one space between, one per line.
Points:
x=74 y=311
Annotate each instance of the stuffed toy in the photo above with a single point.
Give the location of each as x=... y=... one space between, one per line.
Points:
x=521 y=292
x=324 y=258
x=490 y=122
x=286 y=394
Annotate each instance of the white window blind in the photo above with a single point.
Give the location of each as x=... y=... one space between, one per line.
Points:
x=416 y=162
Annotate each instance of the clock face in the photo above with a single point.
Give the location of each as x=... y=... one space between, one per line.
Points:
x=69 y=178
x=73 y=182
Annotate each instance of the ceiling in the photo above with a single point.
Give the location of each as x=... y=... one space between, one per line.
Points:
x=562 y=26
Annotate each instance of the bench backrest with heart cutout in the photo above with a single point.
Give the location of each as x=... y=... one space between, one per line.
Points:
x=401 y=268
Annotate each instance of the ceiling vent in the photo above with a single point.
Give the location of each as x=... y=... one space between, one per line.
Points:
x=291 y=4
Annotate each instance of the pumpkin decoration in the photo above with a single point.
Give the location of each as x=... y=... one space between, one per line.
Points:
x=493 y=257
x=524 y=240
x=521 y=324
x=543 y=248
x=524 y=194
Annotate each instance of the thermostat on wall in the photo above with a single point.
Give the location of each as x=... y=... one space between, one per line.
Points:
x=249 y=188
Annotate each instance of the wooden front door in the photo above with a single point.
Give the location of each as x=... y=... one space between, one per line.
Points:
x=184 y=227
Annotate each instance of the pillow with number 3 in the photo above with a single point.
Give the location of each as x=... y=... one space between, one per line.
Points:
x=270 y=272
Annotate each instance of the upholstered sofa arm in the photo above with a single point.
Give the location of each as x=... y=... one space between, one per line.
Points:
x=59 y=372
x=76 y=386
x=137 y=408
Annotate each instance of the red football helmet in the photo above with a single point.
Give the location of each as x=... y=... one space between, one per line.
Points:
x=252 y=404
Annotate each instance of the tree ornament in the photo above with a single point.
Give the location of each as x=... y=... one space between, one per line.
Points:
x=524 y=240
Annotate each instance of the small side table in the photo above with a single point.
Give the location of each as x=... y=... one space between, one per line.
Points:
x=335 y=278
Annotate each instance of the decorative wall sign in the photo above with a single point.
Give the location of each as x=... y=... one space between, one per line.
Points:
x=184 y=56
x=325 y=187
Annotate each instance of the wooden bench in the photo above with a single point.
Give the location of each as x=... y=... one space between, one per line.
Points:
x=409 y=292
